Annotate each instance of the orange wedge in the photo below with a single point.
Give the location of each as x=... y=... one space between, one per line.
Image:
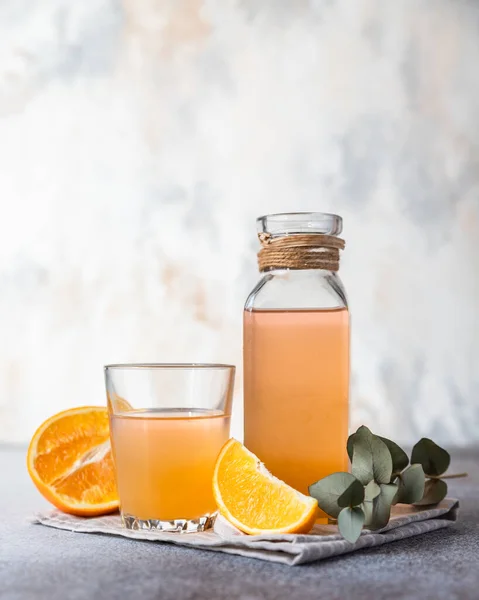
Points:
x=118 y=404
x=250 y=498
x=69 y=460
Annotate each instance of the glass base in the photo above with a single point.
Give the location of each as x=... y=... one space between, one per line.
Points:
x=173 y=526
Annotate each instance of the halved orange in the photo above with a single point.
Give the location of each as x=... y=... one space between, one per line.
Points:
x=250 y=498
x=69 y=460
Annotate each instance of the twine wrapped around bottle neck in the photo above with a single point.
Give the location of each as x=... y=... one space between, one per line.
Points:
x=300 y=251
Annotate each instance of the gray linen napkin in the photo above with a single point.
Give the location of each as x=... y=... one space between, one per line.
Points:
x=322 y=542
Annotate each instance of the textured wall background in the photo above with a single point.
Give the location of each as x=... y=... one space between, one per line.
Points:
x=139 y=141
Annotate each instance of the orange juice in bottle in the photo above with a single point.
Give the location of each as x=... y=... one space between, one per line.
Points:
x=296 y=350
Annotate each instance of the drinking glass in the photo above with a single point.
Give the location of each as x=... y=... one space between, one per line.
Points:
x=168 y=423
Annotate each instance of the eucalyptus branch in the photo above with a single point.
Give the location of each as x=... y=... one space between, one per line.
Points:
x=382 y=475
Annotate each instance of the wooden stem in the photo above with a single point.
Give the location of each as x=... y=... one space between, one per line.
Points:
x=452 y=476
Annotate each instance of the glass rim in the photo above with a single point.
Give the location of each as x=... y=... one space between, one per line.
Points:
x=283 y=224
x=301 y=215
x=172 y=366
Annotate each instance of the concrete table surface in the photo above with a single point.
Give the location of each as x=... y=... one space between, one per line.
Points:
x=38 y=562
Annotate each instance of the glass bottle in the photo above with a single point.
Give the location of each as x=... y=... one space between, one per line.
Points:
x=296 y=362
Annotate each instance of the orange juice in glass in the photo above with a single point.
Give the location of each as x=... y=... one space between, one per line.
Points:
x=168 y=423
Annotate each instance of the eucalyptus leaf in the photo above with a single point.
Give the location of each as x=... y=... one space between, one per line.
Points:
x=353 y=495
x=378 y=516
x=350 y=446
x=371 y=458
x=435 y=490
x=411 y=485
x=399 y=457
x=371 y=491
x=328 y=490
x=350 y=523
x=367 y=507
x=434 y=459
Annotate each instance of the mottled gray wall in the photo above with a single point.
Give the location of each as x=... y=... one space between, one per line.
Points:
x=139 y=141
